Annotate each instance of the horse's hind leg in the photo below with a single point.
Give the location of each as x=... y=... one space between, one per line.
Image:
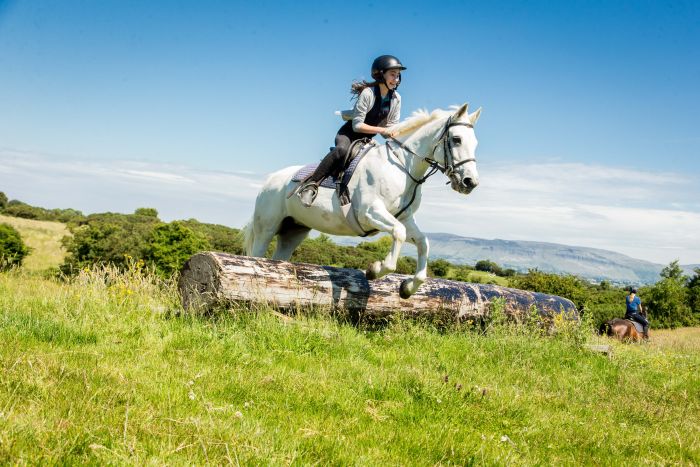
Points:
x=289 y=237
x=263 y=229
x=261 y=242
x=269 y=214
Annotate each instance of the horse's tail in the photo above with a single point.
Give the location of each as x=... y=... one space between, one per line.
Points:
x=248 y=237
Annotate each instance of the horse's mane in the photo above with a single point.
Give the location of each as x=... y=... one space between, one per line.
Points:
x=419 y=118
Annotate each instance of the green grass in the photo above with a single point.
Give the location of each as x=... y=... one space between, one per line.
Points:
x=43 y=237
x=481 y=277
x=103 y=370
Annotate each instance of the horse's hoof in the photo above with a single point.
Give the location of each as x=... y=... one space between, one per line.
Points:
x=373 y=271
x=404 y=291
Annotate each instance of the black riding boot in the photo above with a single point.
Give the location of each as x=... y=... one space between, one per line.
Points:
x=329 y=165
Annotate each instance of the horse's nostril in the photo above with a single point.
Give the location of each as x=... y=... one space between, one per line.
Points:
x=468 y=181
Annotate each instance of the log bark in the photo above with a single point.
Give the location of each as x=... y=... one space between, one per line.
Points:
x=212 y=280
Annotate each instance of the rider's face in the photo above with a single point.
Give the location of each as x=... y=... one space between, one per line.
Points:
x=392 y=78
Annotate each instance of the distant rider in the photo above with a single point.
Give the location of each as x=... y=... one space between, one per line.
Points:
x=378 y=107
x=635 y=312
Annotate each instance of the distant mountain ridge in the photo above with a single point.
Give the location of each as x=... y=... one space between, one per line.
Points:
x=589 y=263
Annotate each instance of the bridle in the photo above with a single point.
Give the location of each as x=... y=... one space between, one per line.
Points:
x=449 y=165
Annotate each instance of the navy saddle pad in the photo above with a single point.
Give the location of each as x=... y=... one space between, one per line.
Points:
x=330 y=181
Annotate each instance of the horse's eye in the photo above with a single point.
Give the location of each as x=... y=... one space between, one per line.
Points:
x=456 y=140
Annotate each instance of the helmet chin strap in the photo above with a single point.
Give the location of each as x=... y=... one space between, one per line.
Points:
x=383 y=81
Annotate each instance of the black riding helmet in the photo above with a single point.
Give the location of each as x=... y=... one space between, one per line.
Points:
x=384 y=63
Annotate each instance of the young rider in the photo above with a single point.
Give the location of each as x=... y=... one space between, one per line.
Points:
x=635 y=311
x=378 y=107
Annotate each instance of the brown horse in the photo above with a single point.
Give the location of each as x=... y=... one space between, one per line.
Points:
x=622 y=329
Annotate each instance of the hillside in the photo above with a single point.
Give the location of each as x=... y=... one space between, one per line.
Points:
x=43 y=237
x=589 y=263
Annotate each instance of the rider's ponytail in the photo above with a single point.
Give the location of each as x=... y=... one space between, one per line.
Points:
x=358 y=86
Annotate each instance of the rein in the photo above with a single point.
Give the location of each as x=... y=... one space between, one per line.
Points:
x=449 y=165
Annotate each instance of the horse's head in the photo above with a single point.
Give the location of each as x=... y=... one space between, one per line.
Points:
x=458 y=143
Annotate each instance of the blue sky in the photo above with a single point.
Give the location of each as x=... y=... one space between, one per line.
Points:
x=589 y=134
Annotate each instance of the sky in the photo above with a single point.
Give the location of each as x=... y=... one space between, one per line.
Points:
x=589 y=133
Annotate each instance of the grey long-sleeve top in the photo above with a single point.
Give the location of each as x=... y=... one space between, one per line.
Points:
x=364 y=104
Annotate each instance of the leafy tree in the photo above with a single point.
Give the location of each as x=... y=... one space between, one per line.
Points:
x=148 y=212
x=667 y=301
x=17 y=208
x=107 y=238
x=23 y=210
x=170 y=245
x=3 y=200
x=12 y=248
x=674 y=272
x=694 y=294
x=489 y=266
x=220 y=237
x=65 y=215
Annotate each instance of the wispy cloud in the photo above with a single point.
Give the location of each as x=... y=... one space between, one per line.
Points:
x=95 y=186
x=647 y=215
x=654 y=216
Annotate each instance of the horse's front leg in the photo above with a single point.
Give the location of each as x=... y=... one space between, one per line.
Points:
x=378 y=217
x=418 y=238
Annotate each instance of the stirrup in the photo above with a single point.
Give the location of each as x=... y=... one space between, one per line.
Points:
x=307 y=193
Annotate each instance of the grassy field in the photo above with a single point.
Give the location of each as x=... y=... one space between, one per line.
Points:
x=102 y=369
x=105 y=369
x=43 y=237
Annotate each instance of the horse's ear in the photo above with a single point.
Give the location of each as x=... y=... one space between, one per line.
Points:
x=475 y=116
x=461 y=111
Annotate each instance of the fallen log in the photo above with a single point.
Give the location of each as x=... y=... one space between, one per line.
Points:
x=212 y=280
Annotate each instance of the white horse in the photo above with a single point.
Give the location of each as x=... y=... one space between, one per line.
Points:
x=385 y=191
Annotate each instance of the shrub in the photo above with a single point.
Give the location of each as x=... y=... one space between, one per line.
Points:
x=17 y=208
x=667 y=300
x=566 y=286
x=170 y=245
x=107 y=238
x=3 y=200
x=12 y=248
x=406 y=265
x=440 y=267
x=23 y=210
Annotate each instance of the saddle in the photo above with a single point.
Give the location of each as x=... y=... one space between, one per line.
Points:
x=339 y=181
x=637 y=326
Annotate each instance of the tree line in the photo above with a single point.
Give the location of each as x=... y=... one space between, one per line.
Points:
x=117 y=239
